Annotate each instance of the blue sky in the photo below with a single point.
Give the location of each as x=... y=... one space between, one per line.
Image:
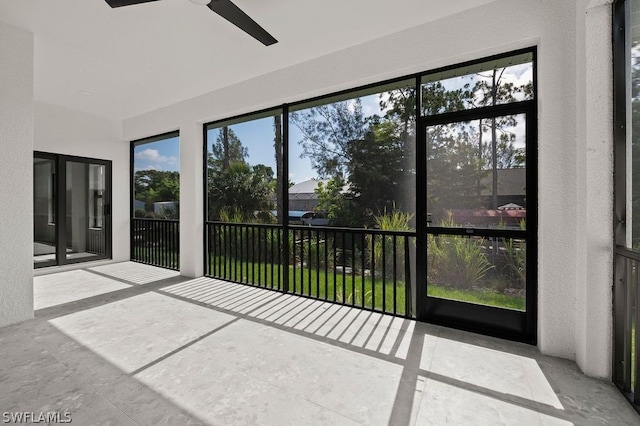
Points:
x=257 y=135
x=161 y=155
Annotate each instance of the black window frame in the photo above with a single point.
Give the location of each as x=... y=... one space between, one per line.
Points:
x=132 y=173
x=514 y=325
x=61 y=161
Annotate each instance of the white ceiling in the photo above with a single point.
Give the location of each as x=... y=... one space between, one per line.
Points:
x=139 y=58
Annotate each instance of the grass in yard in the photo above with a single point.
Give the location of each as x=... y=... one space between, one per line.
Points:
x=480 y=297
x=349 y=288
x=157 y=256
x=633 y=358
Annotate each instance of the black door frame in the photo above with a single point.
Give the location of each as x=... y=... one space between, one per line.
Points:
x=513 y=325
x=504 y=323
x=60 y=207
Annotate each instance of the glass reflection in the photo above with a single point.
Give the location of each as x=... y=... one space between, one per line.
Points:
x=476 y=173
x=353 y=160
x=44 y=212
x=485 y=271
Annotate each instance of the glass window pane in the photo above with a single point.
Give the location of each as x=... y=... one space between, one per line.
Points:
x=485 y=271
x=156 y=164
x=633 y=147
x=352 y=159
x=83 y=237
x=245 y=169
x=96 y=195
x=476 y=173
x=490 y=83
x=44 y=220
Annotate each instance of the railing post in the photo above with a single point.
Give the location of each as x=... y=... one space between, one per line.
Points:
x=409 y=280
x=155 y=242
x=285 y=198
x=628 y=324
x=636 y=334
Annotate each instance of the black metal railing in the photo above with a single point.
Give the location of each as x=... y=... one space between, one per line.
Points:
x=626 y=367
x=96 y=241
x=246 y=253
x=156 y=242
x=366 y=268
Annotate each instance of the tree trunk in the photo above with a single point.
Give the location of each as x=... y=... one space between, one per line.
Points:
x=480 y=165
x=226 y=155
x=494 y=147
x=277 y=124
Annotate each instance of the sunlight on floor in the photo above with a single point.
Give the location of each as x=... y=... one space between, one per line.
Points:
x=70 y=286
x=240 y=350
x=135 y=273
x=496 y=371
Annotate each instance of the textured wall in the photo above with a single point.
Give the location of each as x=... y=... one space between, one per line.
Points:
x=65 y=131
x=16 y=176
x=574 y=258
x=594 y=126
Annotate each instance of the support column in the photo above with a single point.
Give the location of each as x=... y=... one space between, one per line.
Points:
x=191 y=201
x=595 y=182
x=16 y=175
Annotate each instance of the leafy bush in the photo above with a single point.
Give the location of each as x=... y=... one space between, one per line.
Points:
x=456 y=261
x=395 y=221
x=515 y=252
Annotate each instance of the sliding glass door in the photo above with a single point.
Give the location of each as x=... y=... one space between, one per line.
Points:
x=477 y=208
x=44 y=211
x=480 y=264
x=71 y=209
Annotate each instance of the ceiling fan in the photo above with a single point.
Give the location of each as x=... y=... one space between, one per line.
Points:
x=224 y=8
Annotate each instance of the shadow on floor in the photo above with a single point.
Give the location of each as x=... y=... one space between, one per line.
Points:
x=112 y=352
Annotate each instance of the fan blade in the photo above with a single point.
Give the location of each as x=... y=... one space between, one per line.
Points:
x=237 y=17
x=118 y=3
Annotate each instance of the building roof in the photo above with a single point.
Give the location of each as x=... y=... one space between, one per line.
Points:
x=510 y=182
x=305 y=190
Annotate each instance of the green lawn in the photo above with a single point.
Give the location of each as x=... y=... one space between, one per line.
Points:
x=157 y=256
x=480 y=297
x=351 y=288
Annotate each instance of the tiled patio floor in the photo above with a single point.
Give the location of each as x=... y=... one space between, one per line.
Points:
x=131 y=344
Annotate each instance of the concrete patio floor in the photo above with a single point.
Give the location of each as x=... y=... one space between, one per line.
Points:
x=128 y=344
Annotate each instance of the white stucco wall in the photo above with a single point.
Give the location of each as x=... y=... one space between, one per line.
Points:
x=574 y=266
x=594 y=129
x=61 y=130
x=16 y=178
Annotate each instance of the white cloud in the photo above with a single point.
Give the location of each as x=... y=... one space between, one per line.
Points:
x=149 y=167
x=153 y=155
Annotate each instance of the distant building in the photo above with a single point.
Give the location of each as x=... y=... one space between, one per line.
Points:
x=511 y=187
x=138 y=205
x=302 y=196
x=165 y=207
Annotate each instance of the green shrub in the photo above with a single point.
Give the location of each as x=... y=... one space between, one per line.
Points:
x=395 y=221
x=515 y=252
x=456 y=261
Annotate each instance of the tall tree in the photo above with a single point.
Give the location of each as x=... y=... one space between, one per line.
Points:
x=235 y=186
x=226 y=150
x=490 y=90
x=278 y=147
x=152 y=186
x=244 y=190
x=327 y=131
x=635 y=147
x=453 y=170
